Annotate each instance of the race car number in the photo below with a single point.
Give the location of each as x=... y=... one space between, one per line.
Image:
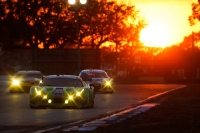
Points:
x=58 y=92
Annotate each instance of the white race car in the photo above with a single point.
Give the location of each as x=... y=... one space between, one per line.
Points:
x=97 y=78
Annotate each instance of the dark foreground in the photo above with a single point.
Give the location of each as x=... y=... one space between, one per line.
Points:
x=178 y=112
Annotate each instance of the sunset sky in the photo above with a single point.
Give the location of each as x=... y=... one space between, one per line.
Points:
x=167 y=21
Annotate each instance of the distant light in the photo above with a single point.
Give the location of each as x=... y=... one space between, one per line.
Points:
x=83 y=1
x=71 y=2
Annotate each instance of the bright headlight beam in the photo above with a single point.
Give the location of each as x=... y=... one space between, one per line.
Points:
x=15 y=82
x=38 y=92
x=108 y=83
x=45 y=97
x=78 y=93
x=71 y=97
x=49 y=101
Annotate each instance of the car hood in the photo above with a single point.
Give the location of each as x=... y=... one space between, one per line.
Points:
x=49 y=89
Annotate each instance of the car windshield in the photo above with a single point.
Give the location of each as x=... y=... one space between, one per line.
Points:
x=93 y=75
x=29 y=75
x=68 y=82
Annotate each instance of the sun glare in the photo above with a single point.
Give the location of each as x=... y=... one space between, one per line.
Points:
x=167 y=21
x=155 y=35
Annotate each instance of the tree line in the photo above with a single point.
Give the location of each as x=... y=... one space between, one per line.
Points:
x=54 y=24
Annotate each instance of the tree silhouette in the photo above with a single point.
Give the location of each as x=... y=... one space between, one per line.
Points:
x=109 y=22
x=191 y=39
x=53 y=24
x=32 y=22
x=195 y=16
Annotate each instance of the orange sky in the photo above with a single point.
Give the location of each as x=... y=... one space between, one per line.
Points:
x=167 y=21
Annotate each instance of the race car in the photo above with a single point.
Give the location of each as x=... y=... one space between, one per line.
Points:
x=23 y=80
x=99 y=79
x=62 y=91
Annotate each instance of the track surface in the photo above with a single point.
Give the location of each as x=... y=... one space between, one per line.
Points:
x=16 y=116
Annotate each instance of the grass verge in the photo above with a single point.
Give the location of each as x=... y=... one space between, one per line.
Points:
x=178 y=112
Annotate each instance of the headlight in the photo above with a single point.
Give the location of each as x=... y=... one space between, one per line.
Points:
x=108 y=83
x=49 y=101
x=15 y=82
x=66 y=101
x=78 y=93
x=71 y=97
x=39 y=93
x=45 y=97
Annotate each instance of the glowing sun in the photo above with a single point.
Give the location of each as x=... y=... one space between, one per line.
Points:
x=155 y=35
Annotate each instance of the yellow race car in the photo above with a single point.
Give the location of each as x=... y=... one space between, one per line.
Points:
x=62 y=91
x=23 y=80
